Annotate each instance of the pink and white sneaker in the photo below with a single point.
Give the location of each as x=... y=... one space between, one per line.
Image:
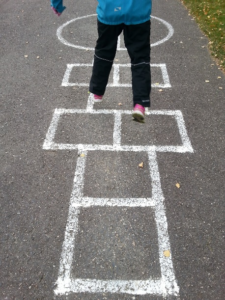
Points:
x=139 y=113
x=98 y=98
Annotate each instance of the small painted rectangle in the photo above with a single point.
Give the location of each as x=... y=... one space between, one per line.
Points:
x=80 y=74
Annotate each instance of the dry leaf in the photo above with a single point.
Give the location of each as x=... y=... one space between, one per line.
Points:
x=219 y=77
x=120 y=104
x=25 y=55
x=206 y=80
x=38 y=56
x=82 y=155
x=166 y=253
x=160 y=90
x=220 y=88
x=141 y=165
x=178 y=185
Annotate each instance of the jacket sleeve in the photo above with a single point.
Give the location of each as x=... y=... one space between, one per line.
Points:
x=58 y=5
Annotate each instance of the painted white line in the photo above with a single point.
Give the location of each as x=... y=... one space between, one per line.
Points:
x=72 y=225
x=125 y=148
x=164 y=286
x=119 y=42
x=65 y=42
x=165 y=76
x=116 y=146
x=183 y=131
x=169 y=284
x=117 y=130
x=124 y=202
x=132 y=287
x=169 y=35
x=90 y=104
x=52 y=130
x=116 y=76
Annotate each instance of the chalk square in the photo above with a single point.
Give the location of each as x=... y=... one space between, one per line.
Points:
x=158 y=130
x=81 y=128
x=116 y=243
x=117 y=175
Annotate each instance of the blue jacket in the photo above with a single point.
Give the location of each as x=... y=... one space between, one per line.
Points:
x=113 y=12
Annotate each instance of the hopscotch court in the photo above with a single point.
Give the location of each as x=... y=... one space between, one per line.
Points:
x=166 y=284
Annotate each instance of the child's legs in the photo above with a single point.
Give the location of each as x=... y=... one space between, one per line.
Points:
x=105 y=52
x=137 y=41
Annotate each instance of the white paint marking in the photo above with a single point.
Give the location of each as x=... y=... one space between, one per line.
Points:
x=119 y=42
x=116 y=146
x=65 y=42
x=117 y=129
x=90 y=103
x=164 y=286
x=169 y=284
x=52 y=130
x=116 y=76
x=72 y=225
x=124 y=202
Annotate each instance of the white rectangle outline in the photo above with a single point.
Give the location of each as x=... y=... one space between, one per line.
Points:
x=116 y=76
x=166 y=285
x=49 y=143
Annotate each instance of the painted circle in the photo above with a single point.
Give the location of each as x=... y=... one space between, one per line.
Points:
x=65 y=42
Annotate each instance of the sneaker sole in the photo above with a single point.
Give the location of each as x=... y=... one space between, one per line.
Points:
x=138 y=116
x=98 y=100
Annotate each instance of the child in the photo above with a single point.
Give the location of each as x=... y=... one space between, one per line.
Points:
x=133 y=18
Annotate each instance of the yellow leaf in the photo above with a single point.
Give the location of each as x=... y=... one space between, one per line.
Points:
x=82 y=155
x=166 y=253
x=141 y=165
x=178 y=185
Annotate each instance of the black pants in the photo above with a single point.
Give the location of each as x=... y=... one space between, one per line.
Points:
x=137 y=42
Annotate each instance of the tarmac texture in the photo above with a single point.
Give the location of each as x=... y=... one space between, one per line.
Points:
x=93 y=204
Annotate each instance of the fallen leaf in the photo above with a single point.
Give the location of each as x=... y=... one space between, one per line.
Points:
x=166 y=253
x=220 y=88
x=178 y=185
x=219 y=77
x=82 y=155
x=160 y=90
x=156 y=83
x=25 y=55
x=141 y=165
x=120 y=104
x=206 y=80
x=116 y=59
x=38 y=56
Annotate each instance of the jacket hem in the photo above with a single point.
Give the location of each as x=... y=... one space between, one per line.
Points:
x=127 y=23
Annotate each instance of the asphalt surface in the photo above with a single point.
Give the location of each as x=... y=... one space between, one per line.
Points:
x=112 y=243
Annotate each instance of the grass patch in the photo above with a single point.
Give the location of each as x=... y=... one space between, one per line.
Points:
x=210 y=15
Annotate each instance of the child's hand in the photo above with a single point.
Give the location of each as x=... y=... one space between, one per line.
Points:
x=57 y=6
